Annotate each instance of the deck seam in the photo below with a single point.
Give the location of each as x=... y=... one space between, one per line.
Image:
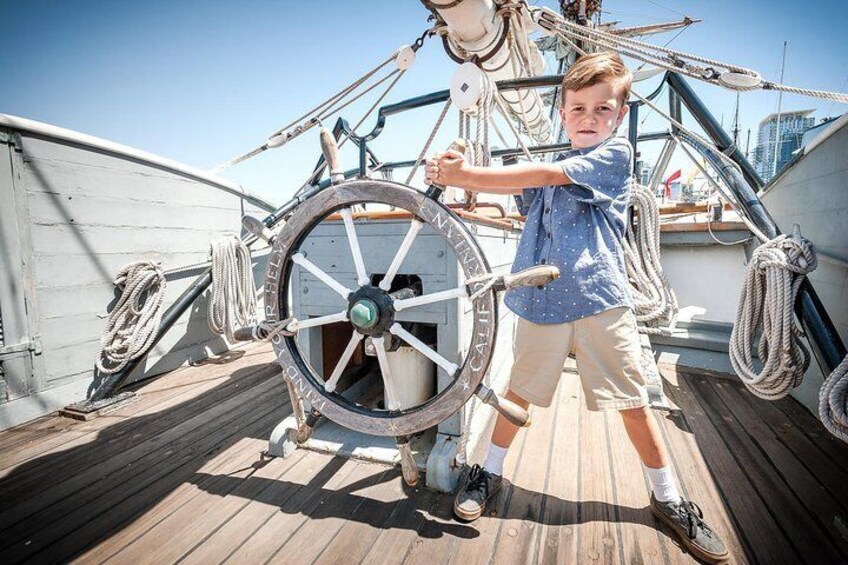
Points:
x=543 y=506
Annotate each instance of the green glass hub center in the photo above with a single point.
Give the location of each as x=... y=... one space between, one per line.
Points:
x=364 y=314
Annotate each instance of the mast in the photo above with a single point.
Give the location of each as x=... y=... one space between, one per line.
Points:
x=736 y=122
x=777 y=122
x=748 y=143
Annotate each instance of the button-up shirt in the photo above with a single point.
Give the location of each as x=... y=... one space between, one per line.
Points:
x=578 y=228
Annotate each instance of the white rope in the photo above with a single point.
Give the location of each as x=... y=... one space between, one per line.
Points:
x=134 y=321
x=654 y=299
x=833 y=402
x=774 y=275
x=232 y=301
x=674 y=60
x=312 y=117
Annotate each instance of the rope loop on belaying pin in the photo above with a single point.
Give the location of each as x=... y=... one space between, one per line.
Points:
x=775 y=273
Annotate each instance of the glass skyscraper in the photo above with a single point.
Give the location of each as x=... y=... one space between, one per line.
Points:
x=792 y=127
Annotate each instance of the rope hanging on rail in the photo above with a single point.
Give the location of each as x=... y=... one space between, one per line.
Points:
x=232 y=301
x=833 y=401
x=134 y=321
x=654 y=299
x=775 y=273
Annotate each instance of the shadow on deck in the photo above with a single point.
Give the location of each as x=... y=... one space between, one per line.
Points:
x=179 y=476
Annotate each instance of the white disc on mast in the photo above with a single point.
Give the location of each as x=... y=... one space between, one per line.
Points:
x=467 y=87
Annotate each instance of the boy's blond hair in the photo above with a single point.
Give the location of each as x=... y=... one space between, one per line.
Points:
x=591 y=69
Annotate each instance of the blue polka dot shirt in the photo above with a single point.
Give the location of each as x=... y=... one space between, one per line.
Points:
x=578 y=228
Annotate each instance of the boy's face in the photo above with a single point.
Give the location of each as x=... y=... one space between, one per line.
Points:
x=591 y=114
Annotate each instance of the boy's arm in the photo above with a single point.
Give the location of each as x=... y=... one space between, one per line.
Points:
x=452 y=169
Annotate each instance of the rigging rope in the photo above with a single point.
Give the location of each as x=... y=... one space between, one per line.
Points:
x=433 y=132
x=716 y=72
x=232 y=301
x=134 y=321
x=774 y=275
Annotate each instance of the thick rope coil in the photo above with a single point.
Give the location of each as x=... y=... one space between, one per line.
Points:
x=654 y=299
x=232 y=303
x=774 y=275
x=134 y=321
x=833 y=402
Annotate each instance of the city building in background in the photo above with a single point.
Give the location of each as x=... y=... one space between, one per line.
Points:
x=785 y=142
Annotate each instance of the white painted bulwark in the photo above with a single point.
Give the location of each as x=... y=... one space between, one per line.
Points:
x=74 y=209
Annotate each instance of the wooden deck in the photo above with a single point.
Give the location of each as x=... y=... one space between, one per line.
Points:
x=179 y=476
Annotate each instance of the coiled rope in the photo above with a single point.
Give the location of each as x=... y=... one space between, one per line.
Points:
x=774 y=275
x=232 y=302
x=833 y=402
x=654 y=299
x=134 y=322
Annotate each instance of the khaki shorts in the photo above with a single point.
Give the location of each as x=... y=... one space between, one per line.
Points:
x=608 y=354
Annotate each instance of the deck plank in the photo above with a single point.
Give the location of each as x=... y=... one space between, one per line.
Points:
x=228 y=541
x=638 y=530
x=405 y=524
x=155 y=396
x=95 y=522
x=87 y=482
x=317 y=501
x=695 y=475
x=352 y=542
x=59 y=510
x=557 y=541
x=189 y=485
x=763 y=538
x=798 y=525
x=597 y=536
x=219 y=497
x=520 y=527
x=479 y=548
x=822 y=508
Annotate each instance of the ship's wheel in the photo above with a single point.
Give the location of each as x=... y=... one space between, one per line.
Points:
x=370 y=309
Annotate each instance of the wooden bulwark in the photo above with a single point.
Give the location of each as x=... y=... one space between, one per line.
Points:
x=180 y=476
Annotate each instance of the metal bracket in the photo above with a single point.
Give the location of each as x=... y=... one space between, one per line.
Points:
x=88 y=409
x=34 y=346
x=13 y=139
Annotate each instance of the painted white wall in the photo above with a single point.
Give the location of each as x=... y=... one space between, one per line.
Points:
x=707 y=280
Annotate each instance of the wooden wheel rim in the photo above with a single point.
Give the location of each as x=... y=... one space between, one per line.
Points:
x=472 y=263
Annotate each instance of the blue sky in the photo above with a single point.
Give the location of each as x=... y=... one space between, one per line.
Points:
x=201 y=82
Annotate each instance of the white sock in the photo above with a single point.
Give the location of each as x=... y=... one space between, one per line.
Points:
x=495 y=459
x=663 y=484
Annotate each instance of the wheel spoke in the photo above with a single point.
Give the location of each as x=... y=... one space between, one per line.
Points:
x=330 y=385
x=414 y=228
x=297 y=325
x=301 y=260
x=424 y=349
x=362 y=275
x=391 y=397
x=458 y=292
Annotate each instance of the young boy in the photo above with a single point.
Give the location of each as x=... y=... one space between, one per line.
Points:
x=577 y=222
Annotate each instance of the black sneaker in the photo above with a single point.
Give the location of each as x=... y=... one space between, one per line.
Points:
x=479 y=487
x=687 y=521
